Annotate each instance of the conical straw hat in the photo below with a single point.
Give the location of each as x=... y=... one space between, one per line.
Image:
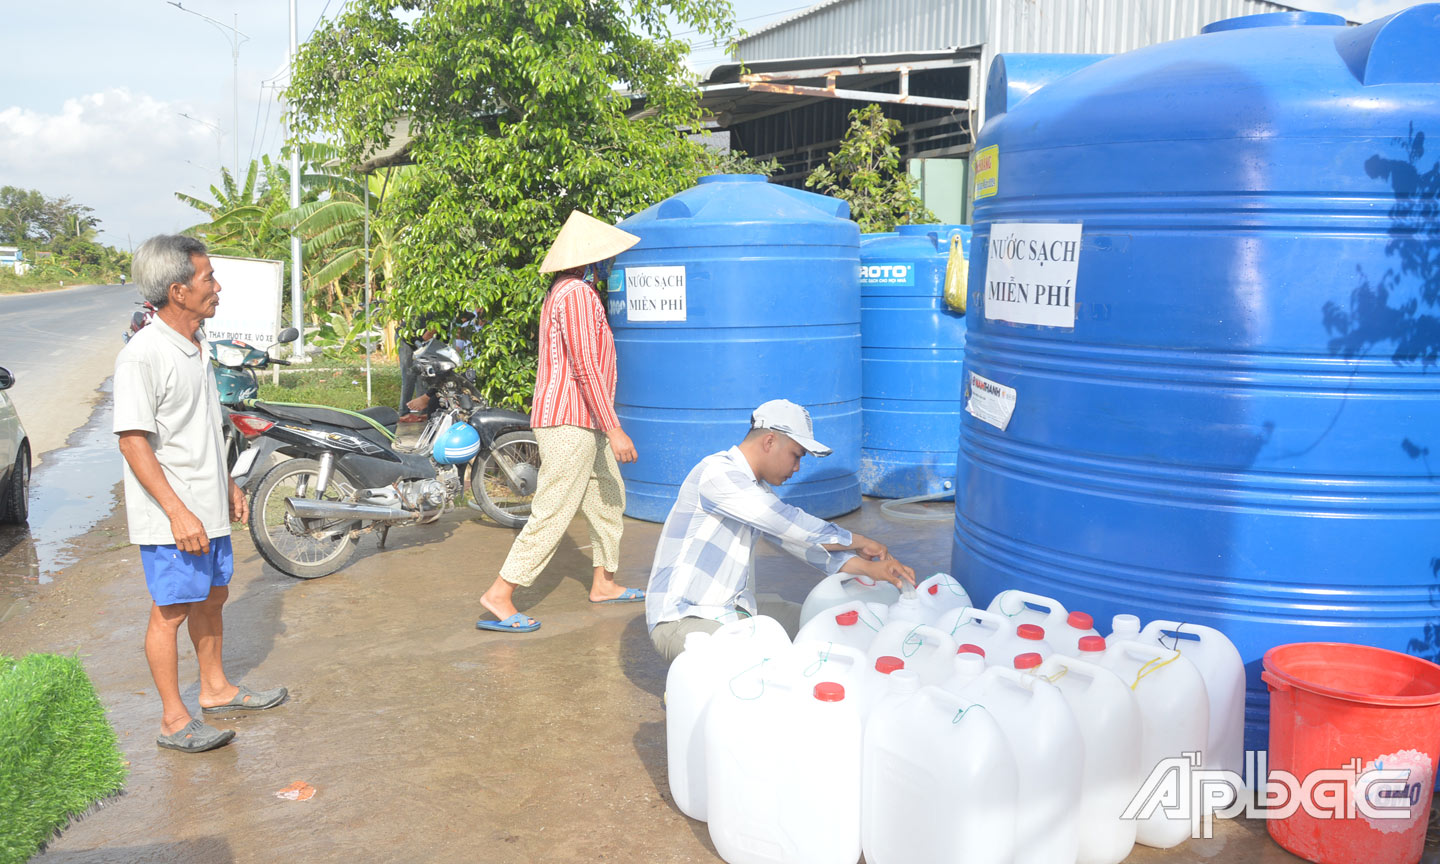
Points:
x=585 y=240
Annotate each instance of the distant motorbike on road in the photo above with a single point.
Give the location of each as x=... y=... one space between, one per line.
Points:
x=349 y=475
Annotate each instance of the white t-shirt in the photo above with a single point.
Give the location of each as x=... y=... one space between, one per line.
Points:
x=164 y=387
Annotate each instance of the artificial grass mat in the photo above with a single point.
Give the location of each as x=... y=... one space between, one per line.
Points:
x=58 y=754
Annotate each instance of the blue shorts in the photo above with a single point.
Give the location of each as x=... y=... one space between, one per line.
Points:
x=179 y=577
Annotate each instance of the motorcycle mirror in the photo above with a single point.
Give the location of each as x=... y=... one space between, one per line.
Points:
x=289 y=334
x=7 y=378
x=137 y=320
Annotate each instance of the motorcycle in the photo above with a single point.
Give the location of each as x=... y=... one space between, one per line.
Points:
x=349 y=475
x=234 y=363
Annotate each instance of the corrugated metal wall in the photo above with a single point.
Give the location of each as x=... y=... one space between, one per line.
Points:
x=1070 y=26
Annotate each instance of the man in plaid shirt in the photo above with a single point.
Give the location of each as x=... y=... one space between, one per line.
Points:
x=703 y=572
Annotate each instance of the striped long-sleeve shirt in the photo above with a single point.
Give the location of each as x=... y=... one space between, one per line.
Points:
x=705 y=560
x=575 y=382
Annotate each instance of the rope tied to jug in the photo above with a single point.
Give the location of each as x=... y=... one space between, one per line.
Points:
x=1153 y=665
x=759 y=678
x=961 y=620
x=1174 y=636
x=912 y=642
x=960 y=713
x=820 y=661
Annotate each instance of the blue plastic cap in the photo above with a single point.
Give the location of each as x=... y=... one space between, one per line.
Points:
x=1276 y=19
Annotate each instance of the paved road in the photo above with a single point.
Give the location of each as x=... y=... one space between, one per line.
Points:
x=61 y=345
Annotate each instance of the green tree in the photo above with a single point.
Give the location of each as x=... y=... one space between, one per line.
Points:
x=244 y=217
x=866 y=172
x=520 y=112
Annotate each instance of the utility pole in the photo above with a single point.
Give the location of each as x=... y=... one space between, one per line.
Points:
x=235 y=37
x=297 y=291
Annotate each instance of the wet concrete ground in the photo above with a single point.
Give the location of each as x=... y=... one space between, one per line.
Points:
x=426 y=739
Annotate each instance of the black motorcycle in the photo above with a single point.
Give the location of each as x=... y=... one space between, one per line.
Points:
x=348 y=474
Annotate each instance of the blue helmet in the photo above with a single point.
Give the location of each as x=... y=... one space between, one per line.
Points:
x=456 y=445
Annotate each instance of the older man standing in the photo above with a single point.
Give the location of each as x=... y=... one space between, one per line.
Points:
x=704 y=569
x=179 y=500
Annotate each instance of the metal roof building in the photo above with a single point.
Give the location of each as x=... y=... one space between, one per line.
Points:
x=925 y=61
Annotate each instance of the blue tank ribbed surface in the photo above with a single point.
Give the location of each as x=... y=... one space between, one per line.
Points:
x=1241 y=427
x=772 y=311
x=911 y=354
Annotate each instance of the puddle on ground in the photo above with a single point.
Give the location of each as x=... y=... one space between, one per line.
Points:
x=69 y=494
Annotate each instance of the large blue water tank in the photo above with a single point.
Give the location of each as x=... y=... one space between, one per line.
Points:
x=1204 y=313
x=911 y=352
x=739 y=291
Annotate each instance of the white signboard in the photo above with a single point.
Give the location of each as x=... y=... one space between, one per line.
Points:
x=250 y=293
x=1030 y=273
x=655 y=293
x=990 y=402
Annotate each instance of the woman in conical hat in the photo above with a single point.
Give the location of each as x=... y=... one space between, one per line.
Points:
x=573 y=415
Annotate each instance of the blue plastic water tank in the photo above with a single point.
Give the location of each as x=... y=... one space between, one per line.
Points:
x=911 y=352
x=1206 y=295
x=769 y=309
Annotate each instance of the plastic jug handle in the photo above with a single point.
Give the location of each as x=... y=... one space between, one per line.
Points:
x=1007 y=599
x=922 y=634
x=974 y=613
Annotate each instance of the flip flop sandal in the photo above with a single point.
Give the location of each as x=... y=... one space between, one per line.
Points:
x=250 y=700
x=514 y=624
x=196 y=737
x=630 y=595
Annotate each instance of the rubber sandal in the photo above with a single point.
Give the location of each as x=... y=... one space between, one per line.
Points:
x=250 y=700
x=514 y=624
x=196 y=737
x=630 y=595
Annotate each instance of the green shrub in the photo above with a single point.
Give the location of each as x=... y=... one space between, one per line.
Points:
x=58 y=754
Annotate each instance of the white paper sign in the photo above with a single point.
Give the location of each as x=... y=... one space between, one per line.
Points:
x=655 y=293
x=990 y=402
x=1030 y=273
x=250 y=292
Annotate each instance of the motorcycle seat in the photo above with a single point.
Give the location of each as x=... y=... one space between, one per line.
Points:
x=369 y=419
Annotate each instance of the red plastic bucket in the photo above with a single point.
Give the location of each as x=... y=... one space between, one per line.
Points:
x=1345 y=710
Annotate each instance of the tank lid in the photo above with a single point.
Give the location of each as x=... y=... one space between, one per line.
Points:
x=1397 y=49
x=1080 y=621
x=1092 y=643
x=848 y=619
x=887 y=664
x=1028 y=660
x=1033 y=632
x=1275 y=19
x=830 y=691
x=734 y=178
x=970 y=648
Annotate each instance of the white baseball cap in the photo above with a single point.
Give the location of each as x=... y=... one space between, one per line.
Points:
x=789 y=419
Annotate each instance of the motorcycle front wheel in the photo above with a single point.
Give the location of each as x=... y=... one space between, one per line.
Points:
x=503 y=481
x=282 y=539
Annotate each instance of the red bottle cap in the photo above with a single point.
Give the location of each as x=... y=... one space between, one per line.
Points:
x=934 y=589
x=1080 y=621
x=1027 y=661
x=969 y=648
x=830 y=691
x=848 y=619
x=887 y=664
x=1033 y=632
x=1092 y=643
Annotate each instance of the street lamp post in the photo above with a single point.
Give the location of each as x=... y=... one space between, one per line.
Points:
x=232 y=33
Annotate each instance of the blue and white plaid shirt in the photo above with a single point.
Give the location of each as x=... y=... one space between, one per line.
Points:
x=705 y=560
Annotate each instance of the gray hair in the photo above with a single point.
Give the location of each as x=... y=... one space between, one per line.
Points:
x=162 y=261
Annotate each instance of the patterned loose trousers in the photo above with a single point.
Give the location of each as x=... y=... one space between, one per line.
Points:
x=578 y=473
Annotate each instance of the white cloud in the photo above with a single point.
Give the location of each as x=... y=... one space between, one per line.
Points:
x=124 y=154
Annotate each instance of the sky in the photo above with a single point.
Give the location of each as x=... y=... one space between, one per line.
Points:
x=119 y=104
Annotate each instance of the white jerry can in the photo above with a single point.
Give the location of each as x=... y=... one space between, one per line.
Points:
x=938 y=780
x=1109 y=720
x=1063 y=629
x=939 y=594
x=708 y=661
x=1174 y=721
x=1221 y=666
x=989 y=634
x=926 y=650
x=784 y=772
x=841 y=588
x=854 y=623
x=1049 y=756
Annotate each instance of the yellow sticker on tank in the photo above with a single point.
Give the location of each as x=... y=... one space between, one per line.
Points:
x=987 y=171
